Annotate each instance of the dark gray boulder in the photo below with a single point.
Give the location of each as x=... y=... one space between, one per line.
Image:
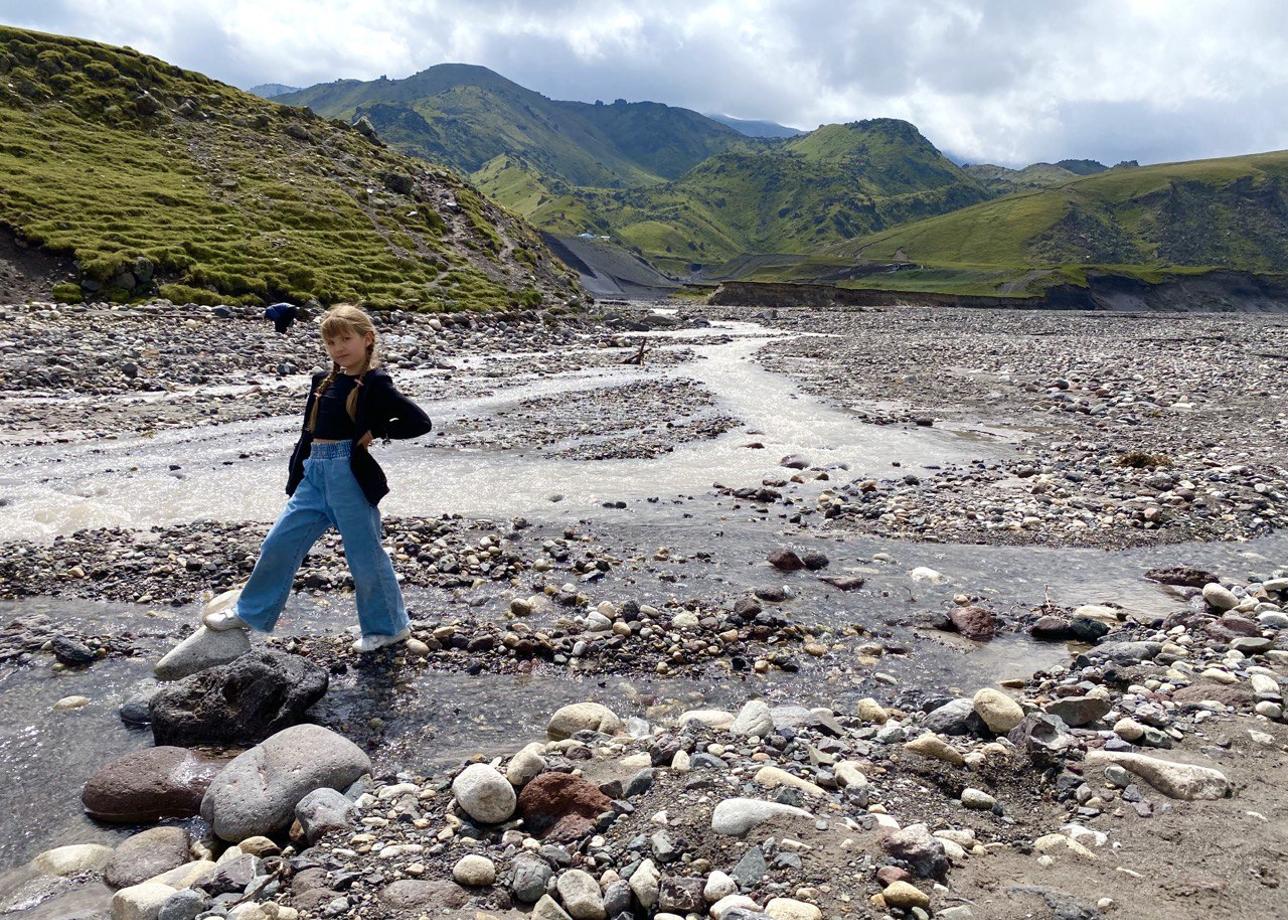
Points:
x=241 y=702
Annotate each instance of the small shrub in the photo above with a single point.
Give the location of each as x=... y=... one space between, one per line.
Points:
x=67 y=292
x=1139 y=460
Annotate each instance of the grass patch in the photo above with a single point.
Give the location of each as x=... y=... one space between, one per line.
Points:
x=156 y=178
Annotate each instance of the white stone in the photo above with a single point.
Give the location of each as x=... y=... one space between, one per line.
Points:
x=484 y=794
x=999 y=712
x=140 y=902
x=68 y=860
x=474 y=871
x=736 y=816
x=718 y=886
x=1175 y=780
x=753 y=719
x=576 y=717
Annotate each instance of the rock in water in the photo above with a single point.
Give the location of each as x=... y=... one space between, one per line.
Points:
x=1174 y=780
x=974 y=622
x=258 y=694
x=205 y=648
x=484 y=794
x=146 y=854
x=257 y=793
x=147 y=785
x=69 y=860
x=576 y=717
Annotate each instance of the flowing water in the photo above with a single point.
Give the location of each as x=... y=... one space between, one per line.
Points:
x=234 y=472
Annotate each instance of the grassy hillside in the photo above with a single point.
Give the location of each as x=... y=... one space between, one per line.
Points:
x=154 y=178
x=793 y=196
x=1229 y=213
x=466 y=116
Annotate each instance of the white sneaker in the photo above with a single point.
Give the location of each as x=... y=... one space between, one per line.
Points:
x=371 y=643
x=221 y=612
x=224 y=619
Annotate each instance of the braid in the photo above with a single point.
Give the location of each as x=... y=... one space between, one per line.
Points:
x=317 y=396
x=351 y=404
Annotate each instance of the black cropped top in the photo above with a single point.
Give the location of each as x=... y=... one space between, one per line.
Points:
x=333 y=422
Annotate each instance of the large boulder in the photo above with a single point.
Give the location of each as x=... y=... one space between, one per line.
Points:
x=205 y=648
x=554 y=797
x=576 y=717
x=151 y=784
x=255 y=696
x=146 y=854
x=257 y=793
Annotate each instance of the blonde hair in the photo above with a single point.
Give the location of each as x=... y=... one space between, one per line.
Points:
x=343 y=319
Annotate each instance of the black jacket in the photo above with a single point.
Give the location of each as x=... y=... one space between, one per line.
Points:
x=384 y=412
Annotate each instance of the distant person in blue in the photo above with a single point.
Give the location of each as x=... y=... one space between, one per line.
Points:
x=282 y=315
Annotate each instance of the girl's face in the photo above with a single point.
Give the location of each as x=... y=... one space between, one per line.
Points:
x=349 y=349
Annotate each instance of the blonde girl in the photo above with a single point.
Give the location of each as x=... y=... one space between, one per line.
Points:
x=335 y=482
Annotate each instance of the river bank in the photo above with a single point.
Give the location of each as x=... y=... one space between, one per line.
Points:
x=691 y=533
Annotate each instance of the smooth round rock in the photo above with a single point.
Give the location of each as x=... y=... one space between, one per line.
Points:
x=474 y=871
x=484 y=794
x=257 y=793
x=569 y=720
x=999 y=712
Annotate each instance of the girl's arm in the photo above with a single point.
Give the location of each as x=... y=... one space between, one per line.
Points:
x=396 y=416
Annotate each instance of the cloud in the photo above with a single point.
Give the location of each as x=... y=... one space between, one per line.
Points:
x=990 y=80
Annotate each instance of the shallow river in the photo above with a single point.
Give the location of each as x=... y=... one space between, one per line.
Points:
x=45 y=756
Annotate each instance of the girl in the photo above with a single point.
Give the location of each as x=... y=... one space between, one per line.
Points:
x=334 y=481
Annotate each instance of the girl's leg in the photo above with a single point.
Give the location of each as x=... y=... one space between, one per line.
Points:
x=301 y=522
x=380 y=602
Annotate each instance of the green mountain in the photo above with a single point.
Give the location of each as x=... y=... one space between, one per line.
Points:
x=466 y=116
x=794 y=196
x=149 y=178
x=1229 y=213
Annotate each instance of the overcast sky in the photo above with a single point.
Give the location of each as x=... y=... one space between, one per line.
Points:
x=1006 y=82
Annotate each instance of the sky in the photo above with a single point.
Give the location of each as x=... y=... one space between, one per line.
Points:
x=987 y=81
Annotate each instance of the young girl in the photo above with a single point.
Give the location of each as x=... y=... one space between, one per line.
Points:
x=334 y=481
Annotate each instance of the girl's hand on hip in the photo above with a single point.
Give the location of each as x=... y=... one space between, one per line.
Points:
x=365 y=440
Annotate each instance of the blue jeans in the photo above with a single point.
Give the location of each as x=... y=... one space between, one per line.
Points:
x=329 y=496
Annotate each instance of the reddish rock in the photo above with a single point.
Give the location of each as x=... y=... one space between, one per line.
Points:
x=1241 y=626
x=570 y=829
x=151 y=784
x=888 y=875
x=553 y=796
x=974 y=622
